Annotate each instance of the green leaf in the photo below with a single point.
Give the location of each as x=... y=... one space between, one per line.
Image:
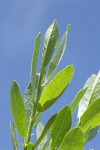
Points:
x=96 y=88
x=56 y=88
x=86 y=134
x=28 y=102
x=93 y=133
x=39 y=131
x=73 y=140
x=91 y=116
x=50 y=42
x=47 y=145
x=58 y=56
x=18 y=109
x=35 y=62
x=30 y=146
x=86 y=98
x=37 y=119
x=77 y=99
x=14 y=136
x=45 y=130
x=60 y=126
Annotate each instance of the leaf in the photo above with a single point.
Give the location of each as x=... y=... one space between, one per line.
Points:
x=50 y=42
x=37 y=119
x=93 y=133
x=60 y=126
x=73 y=140
x=77 y=99
x=47 y=145
x=39 y=131
x=96 y=88
x=58 y=56
x=18 y=109
x=28 y=102
x=56 y=88
x=30 y=146
x=86 y=98
x=45 y=130
x=14 y=136
x=37 y=84
x=35 y=62
x=86 y=134
x=91 y=116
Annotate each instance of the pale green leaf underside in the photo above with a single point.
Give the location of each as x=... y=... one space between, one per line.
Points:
x=91 y=117
x=14 y=136
x=60 y=126
x=35 y=62
x=28 y=102
x=86 y=98
x=93 y=84
x=73 y=140
x=47 y=145
x=77 y=99
x=57 y=56
x=37 y=119
x=45 y=130
x=96 y=87
x=50 y=42
x=18 y=109
x=39 y=130
x=56 y=88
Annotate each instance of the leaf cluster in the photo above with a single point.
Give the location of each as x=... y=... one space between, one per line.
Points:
x=43 y=90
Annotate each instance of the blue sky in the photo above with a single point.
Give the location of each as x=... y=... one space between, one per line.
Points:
x=20 y=22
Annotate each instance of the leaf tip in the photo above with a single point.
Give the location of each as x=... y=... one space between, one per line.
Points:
x=55 y=21
x=72 y=67
x=68 y=27
x=14 y=82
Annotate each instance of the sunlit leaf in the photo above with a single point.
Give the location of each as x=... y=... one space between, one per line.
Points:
x=73 y=140
x=77 y=99
x=86 y=98
x=50 y=42
x=56 y=88
x=91 y=116
x=96 y=88
x=18 y=109
x=58 y=55
x=60 y=126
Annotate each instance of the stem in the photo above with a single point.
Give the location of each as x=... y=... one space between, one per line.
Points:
x=40 y=88
x=30 y=130
x=32 y=118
